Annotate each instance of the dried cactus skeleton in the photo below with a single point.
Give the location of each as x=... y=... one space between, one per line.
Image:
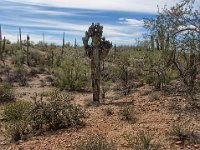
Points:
x=96 y=51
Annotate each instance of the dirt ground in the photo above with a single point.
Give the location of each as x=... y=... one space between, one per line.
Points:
x=151 y=115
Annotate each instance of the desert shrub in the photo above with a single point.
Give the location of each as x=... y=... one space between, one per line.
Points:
x=105 y=89
x=108 y=111
x=71 y=75
x=18 y=58
x=183 y=133
x=36 y=58
x=16 y=116
x=154 y=96
x=145 y=92
x=6 y=93
x=94 y=142
x=19 y=76
x=16 y=111
x=123 y=71
x=57 y=113
x=127 y=113
x=141 y=141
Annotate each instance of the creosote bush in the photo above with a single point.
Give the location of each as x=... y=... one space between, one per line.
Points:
x=6 y=93
x=94 y=142
x=183 y=133
x=141 y=141
x=71 y=75
x=57 y=113
x=17 y=120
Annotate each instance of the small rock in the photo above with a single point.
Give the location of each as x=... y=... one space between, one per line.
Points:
x=3 y=143
x=196 y=146
x=178 y=142
x=189 y=147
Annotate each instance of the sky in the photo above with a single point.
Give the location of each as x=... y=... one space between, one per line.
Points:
x=122 y=19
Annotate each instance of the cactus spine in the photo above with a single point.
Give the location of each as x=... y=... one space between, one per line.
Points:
x=97 y=51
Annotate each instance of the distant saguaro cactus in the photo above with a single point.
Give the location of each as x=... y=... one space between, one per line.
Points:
x=20 y=38
x=97 y=51
x=27 y=50
x=1 y=53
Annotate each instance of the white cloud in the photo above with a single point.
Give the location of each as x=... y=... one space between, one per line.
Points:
x=131 y=22
x=124 y=33
x=120 y=5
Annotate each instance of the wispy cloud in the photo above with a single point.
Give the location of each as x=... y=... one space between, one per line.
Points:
x=131 y=22
x=122 y=19
x=120 y=5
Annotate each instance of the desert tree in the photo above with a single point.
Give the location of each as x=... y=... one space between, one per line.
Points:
x=177 y=32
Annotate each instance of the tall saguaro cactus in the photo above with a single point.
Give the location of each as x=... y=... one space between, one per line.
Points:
x=27 y=49
x=20 y=38
x=1 y=53
x=63 y=45
x=96 y=51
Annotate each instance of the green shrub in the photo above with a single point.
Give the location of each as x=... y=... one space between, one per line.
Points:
x=57 y=113
x=128 y=114
x=71 y=75
x=16 y=111
x=182 y=132
x=16 y=116
x=141 y=141
x=18 y=58
x=94 y=142
x=6 y=93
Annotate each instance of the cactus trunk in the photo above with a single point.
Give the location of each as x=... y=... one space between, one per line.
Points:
x=95 y=75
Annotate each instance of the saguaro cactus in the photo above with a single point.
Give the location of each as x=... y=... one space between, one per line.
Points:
x=27 y=50
x=63 y=45
x=97 y=51
x=20 y=38
x=1 y=53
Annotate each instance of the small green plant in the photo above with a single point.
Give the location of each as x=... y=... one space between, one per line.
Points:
x=57 y=113
x=141 y=141
x=182 y=132
x=128 y=114
x=16 y=111
x=108 y=111
x=71 y=75
x=6 y=93
x=17 y=119
x=94 y=142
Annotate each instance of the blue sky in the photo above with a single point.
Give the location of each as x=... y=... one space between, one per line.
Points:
x=122 y=19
